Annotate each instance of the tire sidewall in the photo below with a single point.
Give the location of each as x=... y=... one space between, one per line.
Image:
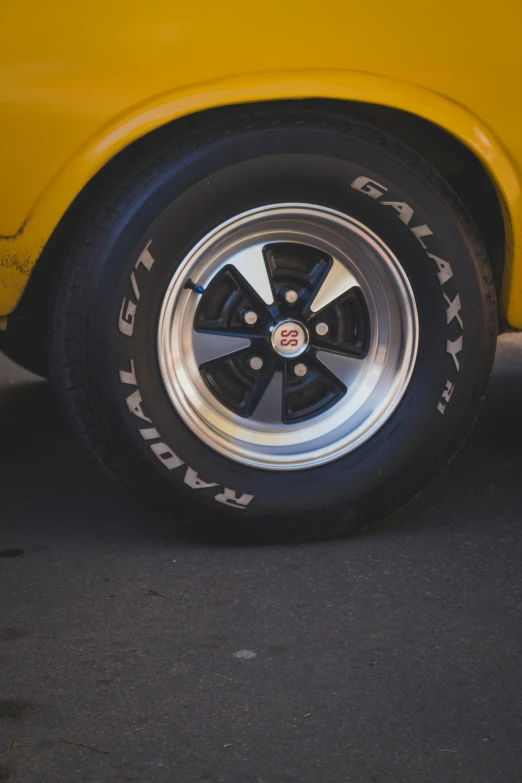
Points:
x=199 y=190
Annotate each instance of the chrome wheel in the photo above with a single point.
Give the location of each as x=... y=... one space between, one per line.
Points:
x=287 y=336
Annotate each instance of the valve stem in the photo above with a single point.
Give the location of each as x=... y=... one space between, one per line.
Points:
x=198 y=289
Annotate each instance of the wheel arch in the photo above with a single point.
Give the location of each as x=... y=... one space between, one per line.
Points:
x=451 y=138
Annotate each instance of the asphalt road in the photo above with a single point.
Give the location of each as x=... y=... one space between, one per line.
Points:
x=130 y=654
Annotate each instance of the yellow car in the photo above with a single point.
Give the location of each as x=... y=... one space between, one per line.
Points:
x=263 y=250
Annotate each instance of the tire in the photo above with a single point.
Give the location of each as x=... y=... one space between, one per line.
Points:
x=24 y=344
x=26 y=340
x=423 y=287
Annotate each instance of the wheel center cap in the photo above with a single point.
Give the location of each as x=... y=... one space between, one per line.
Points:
x=289 y=338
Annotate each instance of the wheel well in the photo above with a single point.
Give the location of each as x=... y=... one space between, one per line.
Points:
x=454 y=161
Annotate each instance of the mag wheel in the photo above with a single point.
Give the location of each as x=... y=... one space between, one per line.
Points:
x=287 y=336
x=286 y=317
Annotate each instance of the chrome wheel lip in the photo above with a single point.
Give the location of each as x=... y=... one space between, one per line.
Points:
x=327 y=437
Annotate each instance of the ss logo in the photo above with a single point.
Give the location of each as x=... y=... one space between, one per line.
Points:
x=289 y=338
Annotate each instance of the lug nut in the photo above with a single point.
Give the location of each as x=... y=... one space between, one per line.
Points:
x=300 y=370
x=321 y=329
x=256 y=362
x=249 y=317
x=291 y=296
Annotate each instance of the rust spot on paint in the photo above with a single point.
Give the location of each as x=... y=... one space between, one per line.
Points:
x=14 y=258
x=18 y=233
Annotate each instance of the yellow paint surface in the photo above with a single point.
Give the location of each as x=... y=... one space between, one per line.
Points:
x=79 y=81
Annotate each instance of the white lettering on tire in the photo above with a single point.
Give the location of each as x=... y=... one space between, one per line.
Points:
x=375 y=190
x=134 y=402
x=127 y=313
x=453 y=347
x=128 y=307
x=168 y=458
x=165 y=455
x=404 y=211
x=128 y=377
x=193 y=480
x=422 y=231
x=145 y=258
x=369 y=186
x=444 y=274
x=134 y=285
x=446 y=395
x=453 y=310
x=150 y=433
x=230 y=498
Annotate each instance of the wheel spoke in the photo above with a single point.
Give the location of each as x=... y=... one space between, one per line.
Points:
x=225 y=304
x=345 y=368
x=343 y=326
x=209 y=346
x=297 y=273
x=268 y=410
x=311 y=394
x=250 y=263
x=236 y=383
x=338 y=281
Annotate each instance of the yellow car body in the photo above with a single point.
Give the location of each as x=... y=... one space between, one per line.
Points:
x=80 y=81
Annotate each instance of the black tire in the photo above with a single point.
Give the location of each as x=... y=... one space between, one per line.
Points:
x=24 y=342
x=183 y=191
